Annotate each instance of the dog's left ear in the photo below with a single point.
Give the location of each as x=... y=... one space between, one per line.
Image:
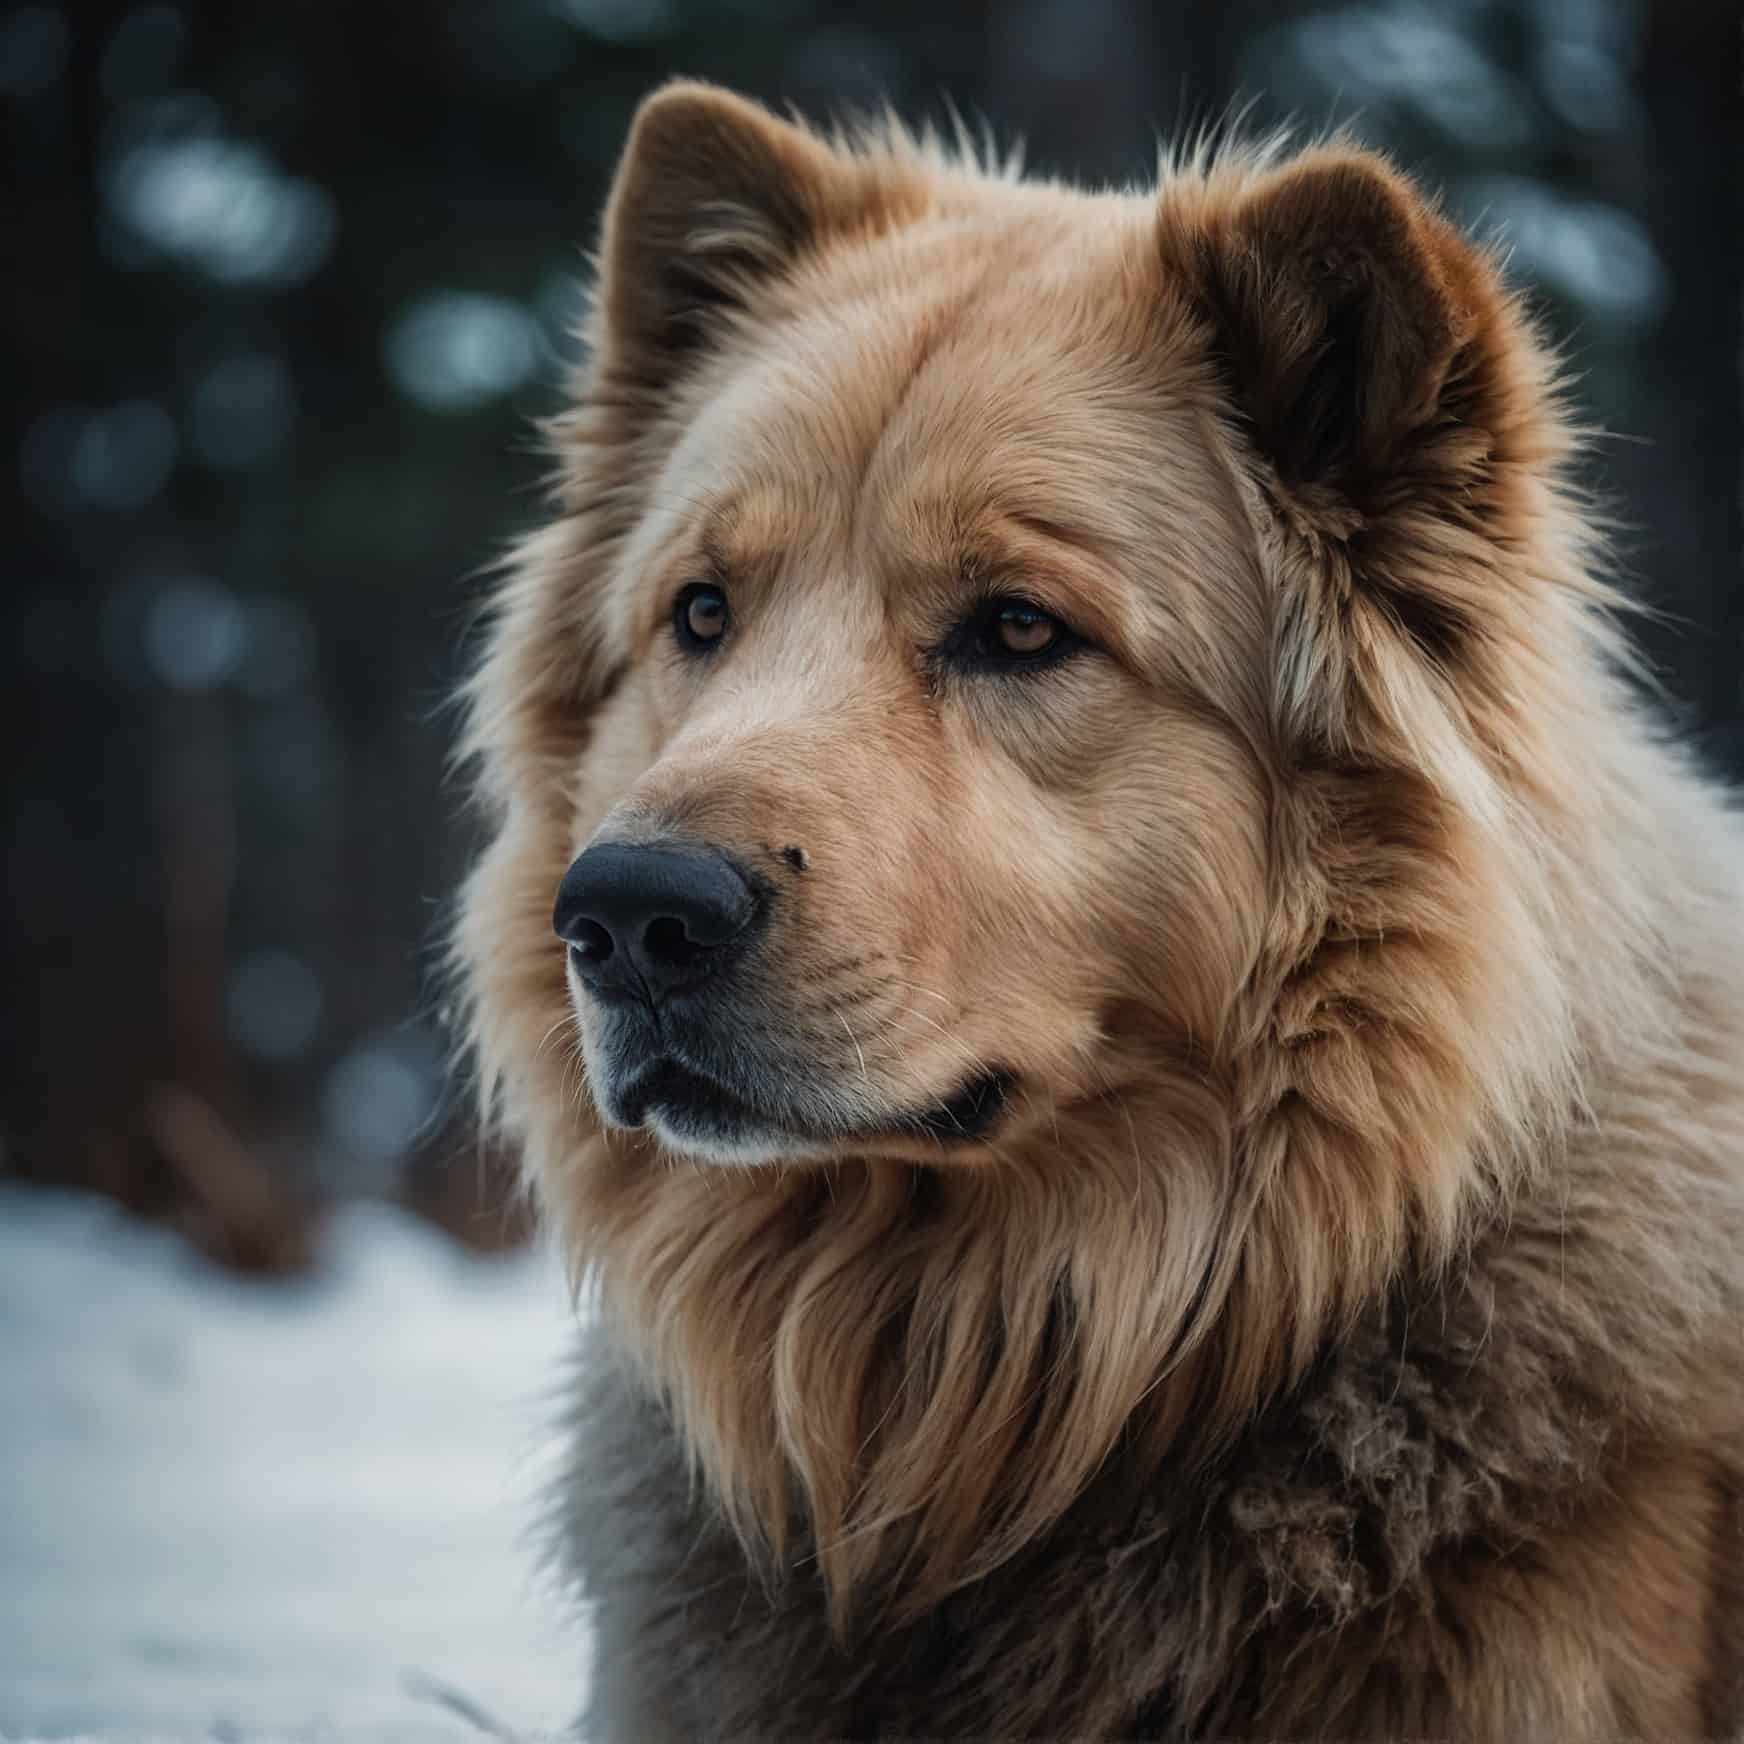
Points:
x=1340 y=302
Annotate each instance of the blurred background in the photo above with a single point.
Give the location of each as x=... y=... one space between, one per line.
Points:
x=286 y=285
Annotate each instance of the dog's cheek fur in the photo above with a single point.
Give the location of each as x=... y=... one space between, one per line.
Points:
x=1168 y=912
x=548 y=668
x=1408 y=1029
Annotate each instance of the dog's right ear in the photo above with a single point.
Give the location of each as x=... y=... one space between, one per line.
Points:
x=714 y=197
x=1340 y=301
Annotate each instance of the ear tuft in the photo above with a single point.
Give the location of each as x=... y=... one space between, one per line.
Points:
x=1341 y=301
x=712 y=195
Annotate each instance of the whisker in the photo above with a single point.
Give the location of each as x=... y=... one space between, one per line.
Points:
x=865 y=1077
x=567 y=1021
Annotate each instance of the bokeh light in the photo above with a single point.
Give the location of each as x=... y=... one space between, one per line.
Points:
x=194 y=633
x=273 y=1005
x=184 y=190
x=380 y=1095
x=454 y=351
x=1594 y=254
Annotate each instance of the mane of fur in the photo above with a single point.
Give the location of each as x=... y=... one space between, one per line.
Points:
x=909 y=1375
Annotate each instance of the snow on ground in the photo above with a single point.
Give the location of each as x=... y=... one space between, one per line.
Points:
x=235 y=1510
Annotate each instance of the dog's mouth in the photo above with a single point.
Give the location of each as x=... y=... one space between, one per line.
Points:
x=692 y=1111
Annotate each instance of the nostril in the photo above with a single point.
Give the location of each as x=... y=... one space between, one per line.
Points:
x=590 y=941
x=666 y=941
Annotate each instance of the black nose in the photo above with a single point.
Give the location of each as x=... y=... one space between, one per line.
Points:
x=646 y=919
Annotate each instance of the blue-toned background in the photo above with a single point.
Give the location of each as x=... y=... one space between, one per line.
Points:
x=285 y=284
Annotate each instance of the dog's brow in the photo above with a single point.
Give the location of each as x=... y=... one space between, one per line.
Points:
x=1053 y=528
x=1053 y=560
x=750 y=532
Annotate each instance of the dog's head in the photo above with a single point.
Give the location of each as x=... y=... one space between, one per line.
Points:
x=933 y=762
x=1046 y=685
x=923 y=707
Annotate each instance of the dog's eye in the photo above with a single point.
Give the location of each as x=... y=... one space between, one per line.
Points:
x=1009 y=634
x=699 y=617
x=1023 y=631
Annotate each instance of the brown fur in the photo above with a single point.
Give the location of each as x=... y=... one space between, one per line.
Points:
x=1340 y=1335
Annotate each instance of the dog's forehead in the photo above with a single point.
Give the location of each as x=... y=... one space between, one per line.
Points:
x=907 y=412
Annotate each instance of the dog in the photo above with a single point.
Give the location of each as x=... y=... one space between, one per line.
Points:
x=1145 y=1042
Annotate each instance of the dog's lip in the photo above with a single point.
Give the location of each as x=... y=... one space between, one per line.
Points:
x=666 y=1083
x=669 y=1085
x=972 y=1111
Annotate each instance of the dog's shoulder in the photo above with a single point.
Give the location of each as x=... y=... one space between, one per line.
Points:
x=1528 y=1468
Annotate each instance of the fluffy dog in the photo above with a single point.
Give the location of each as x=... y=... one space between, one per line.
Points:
x=1147 y=1048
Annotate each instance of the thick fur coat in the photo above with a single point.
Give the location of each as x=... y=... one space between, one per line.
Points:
x=1209 y=1203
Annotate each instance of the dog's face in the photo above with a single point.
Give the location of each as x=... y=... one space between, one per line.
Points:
x=1006 y=652
x=928 y=791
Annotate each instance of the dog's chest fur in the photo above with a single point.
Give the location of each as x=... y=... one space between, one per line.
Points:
x=1403 y=1540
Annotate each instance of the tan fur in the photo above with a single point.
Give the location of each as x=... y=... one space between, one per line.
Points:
x=1359 y=948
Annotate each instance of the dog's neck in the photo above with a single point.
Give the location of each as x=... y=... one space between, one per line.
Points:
x=909 y=1374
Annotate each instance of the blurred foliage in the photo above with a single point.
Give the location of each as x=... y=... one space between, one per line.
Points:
x=288 y=283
